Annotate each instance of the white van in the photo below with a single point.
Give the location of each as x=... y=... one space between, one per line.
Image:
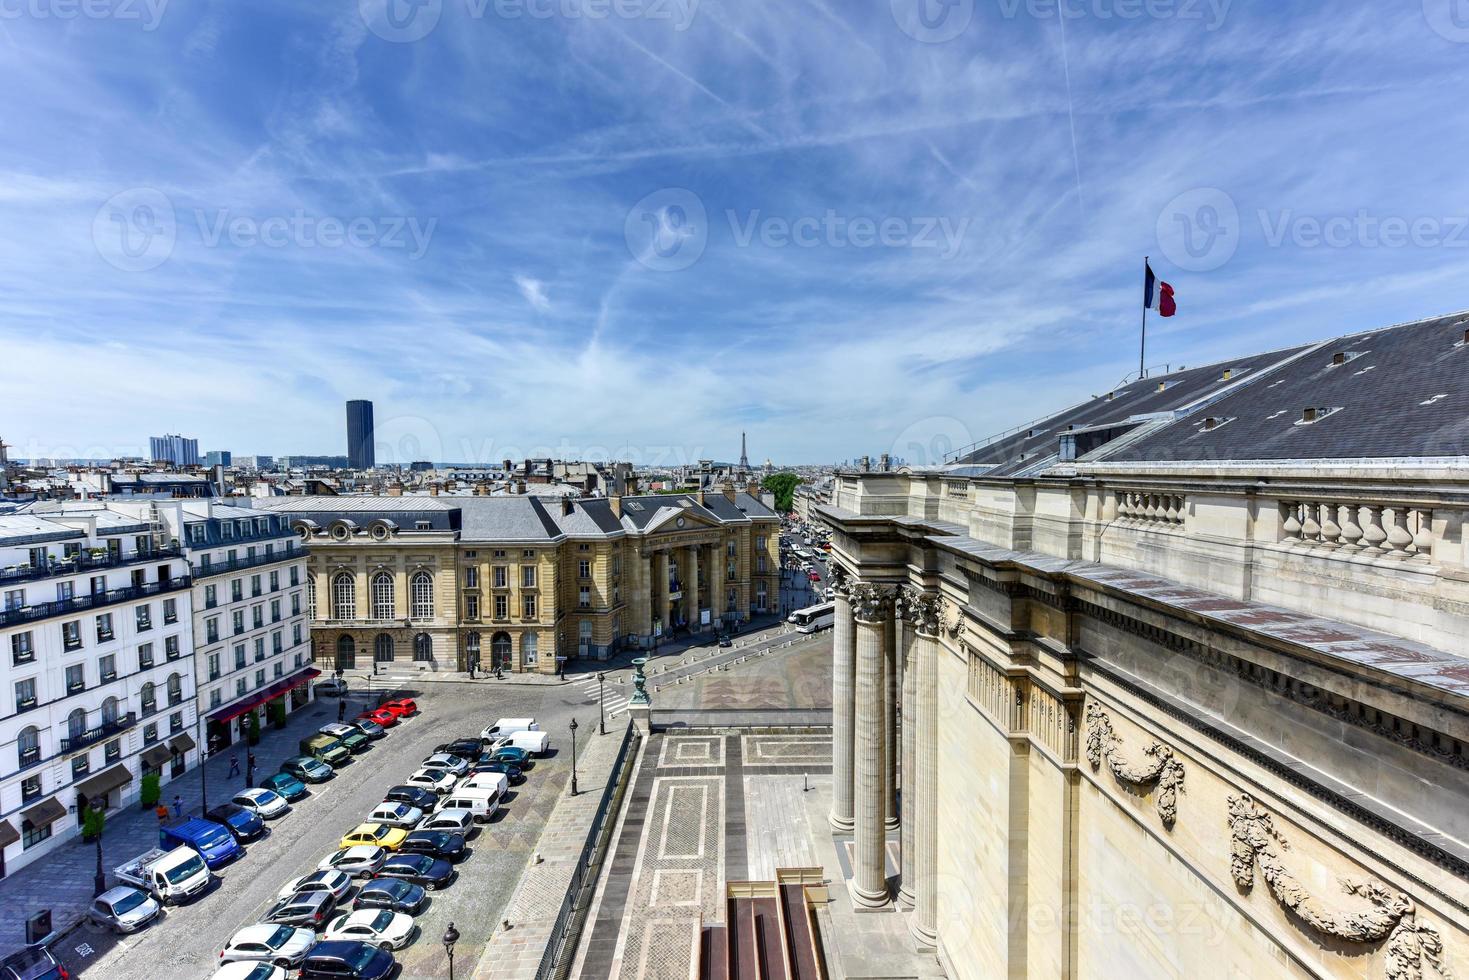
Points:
x=494 y=782
x=534 y=742
x=480 y=804
x=508 y=726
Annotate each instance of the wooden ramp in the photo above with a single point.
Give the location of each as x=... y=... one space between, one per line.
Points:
x=769 y=930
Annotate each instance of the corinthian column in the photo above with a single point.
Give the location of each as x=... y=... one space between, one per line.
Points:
x=871 y=610
x=908 y=681
x=925 y=864
x=890 y=722
x=843 y=705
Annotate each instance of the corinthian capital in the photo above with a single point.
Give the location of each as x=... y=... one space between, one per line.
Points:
x=871 y=603
x=839 y=580
x=923 y=611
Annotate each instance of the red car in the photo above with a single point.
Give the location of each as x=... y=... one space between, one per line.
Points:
x=815 y=577
x=403 y=707
x=382 y=716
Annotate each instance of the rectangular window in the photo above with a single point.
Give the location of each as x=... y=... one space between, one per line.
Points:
x=471 y=607
x=145 y=618
x=527 y=576
x=296 y=634
x=112 y=751
x=214 y=670
x=583 y=569
x=215 y=697
x=211 y=629
x=25 y=694
x=171 y=647
x=239 y=656
x=145 y=656
x=275 y=610
x=259 y=649
x=14 y=599
x=170 y=611
x=257 y=616
x=76 y=679
x=176 y=722
x=528 y=605
x=280 y=669
x=104 y=627
x=502 y=607
x=22 y=650
x=211 y=596
x=30 y=788
x=254 y=585
x=584 y=598
x=240 y=686
x=34 y=836
x=295 y=604
x=237 y=590
x=65 y=591
x=471 y=578
x=99 y=584
x=239 y=621
x=107 y=668
x=81 y=765
x=501 y=578
x=295 y=575
x=275 y=581
x=260 y=677
x=150 y=733
x=276 y=639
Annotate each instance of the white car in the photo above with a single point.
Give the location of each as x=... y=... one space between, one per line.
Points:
x=447 y=762
x=397 y=815
x=262 y=802
x=245 y=970
x=453 y=820
x=285 y=946
x=376 y=927
x=438 y=780
x=336 y=882
x=362 y=860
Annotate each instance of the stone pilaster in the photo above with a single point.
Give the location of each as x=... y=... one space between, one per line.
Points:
x=871 y=612
x=843 y=704
x=691 y=588
x=890 y=723
x=660 y=589
x=924 y=924
x=906 y=795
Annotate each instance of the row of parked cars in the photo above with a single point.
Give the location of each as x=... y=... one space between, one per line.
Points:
x=348 y=917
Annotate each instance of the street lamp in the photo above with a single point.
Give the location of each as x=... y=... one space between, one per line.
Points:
x=601 y=712
x=451 y=936
x=203 y=747
x=573 y=757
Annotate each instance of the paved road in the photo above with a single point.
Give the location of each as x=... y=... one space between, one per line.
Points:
x=186 y=944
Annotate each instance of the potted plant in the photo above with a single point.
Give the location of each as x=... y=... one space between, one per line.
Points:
x=150 y=791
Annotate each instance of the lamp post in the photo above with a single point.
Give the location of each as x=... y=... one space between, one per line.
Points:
x=99 y=880
x=601 y=712
x=573 y=757
x=451 y=936
x=203 y=757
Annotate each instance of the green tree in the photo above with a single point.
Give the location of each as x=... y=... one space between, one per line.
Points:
x=93 y=822
x=150 y=792
x=252 y=730
x=783 y=485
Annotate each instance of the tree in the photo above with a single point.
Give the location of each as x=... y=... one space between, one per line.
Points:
x=151 y=791
x=252 y=731
x=783 y=485
x=93 y=822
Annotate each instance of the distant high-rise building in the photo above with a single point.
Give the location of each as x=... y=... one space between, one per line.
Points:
x=174 y=449
x=217 y=457
x=359 y=434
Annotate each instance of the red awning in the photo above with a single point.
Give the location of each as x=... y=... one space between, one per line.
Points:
x=263 y=695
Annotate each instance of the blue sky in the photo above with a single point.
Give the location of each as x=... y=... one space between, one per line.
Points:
x=640 y=227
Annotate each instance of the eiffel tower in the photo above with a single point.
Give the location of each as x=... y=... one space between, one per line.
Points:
x=744 y=458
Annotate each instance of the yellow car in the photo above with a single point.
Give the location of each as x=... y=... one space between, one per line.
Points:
x=379 y=834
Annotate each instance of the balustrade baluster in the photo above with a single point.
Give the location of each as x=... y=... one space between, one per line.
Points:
x=1372 y=533
x=1398 y=537
x=1423 y=539
x=1351 y=531
x=1310 y=529
x=1330 y=529
x=1291 y=526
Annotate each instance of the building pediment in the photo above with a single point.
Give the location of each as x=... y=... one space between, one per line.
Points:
x=672 y=519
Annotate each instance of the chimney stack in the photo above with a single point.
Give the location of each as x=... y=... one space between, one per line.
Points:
x=700 y=496
x=729 y=490
x=567 y=506
x=616 y=501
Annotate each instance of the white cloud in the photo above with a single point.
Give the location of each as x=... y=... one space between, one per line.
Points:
x=534 y=292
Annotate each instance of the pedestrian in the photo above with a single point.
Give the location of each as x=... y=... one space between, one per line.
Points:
x=250 y=760
x=234 y=766
x=162 y=811
x=341 y=710
x=178 y=804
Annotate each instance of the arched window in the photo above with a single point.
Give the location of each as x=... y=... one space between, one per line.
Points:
x=150 y=698
x=175 y=688
x=76 y=725
x=383 y=606
x=500 y=651
x=423 y=647
x=311 y=597
x=382 y=648
x=109 y=711
x=344 y=596
x=421 y=591
x=346 y=652
x=28 y=745
x=529 y=649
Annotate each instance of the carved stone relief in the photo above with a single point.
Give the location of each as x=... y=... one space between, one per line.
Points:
x=1159 y=766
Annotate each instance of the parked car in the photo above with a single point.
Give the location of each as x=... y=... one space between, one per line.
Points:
x=242 y=823
x=724 y=640
x=438 y=780
x=536 y=743
x=512 y=773
x=417 y=796
x=369 y=728
x=307 y=910
x=349 y=735
x=282 y=945
x=380 y=717
x=376 y=834
x=402 y=707
x=35 y=963
x=465 y=748
x=508 y=726
x=479 y=804
x=215 y=844
x=264 y=802
x=455 y=821
x=513 y=755
x=288 y=787
x=393 y=894
x=307 y=769
x=332 y=687
x=376 y=927
x=123 y=909
x=434 y=843
x=245 y=970
x=421 y=869
x=397 y=815
x=340 y=958
x=335 y=883
x=446 y=762
x=325 y=749
x=361 y=860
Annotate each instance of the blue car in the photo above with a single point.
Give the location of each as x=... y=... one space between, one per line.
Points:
x=215 y=844
x=286 y=785
x=238 y=821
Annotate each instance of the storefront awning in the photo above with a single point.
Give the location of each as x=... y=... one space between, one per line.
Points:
x=8 y=835
x=105 y=782
x=263 y=695
x=181 y=743
x=156 y=756
x=43 y=813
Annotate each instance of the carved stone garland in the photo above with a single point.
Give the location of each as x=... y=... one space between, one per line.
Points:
x=1393 y=915
x=871 y=603
x=1160 y=768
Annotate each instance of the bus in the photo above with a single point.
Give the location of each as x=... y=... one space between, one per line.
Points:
x=814 y=618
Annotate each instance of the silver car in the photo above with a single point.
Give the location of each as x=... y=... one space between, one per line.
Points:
x=362 y=860
x=123 y=909
x=397 y=815
x=285 y=946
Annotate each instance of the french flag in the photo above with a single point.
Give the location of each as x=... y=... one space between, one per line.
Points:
x=1157 y=294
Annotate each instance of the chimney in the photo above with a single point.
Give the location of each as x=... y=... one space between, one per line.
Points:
x=1162 y=385
x=866 y=464
x=433 y=489
x=1210 y=422
x=700 y=496
x=507 y=466
x=885 y=462
x=520 y=484
x=567 y=507
x=481 y=490
x=1339 y=358
x=616 y=502
x=1308 y=415
x=729 y=490
x=395 y=490
x=1228 y=373
x=1465 y=341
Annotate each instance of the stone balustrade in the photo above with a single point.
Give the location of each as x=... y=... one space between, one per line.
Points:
x=1151 y=508
x=1393 y=531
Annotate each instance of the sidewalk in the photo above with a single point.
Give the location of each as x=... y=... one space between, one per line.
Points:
x=515 y=953
x=62 y=880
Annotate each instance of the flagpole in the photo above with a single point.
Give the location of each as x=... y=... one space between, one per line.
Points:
x=1142 y=353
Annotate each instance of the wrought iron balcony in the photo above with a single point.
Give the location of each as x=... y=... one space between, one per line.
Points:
x=83 y=562
x=81 y=603
x=100 y=733
x=224 y=567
